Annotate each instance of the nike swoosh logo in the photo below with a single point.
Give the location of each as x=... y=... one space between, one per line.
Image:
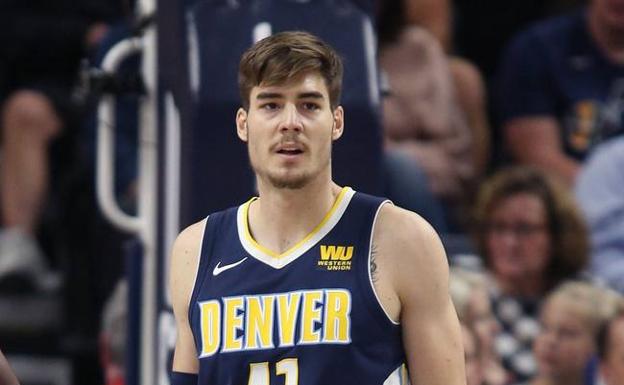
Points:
x=220 y=269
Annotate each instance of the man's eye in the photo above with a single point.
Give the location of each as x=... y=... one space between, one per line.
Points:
x=311 y=106
x=269 y=106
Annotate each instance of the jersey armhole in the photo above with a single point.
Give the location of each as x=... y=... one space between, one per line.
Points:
x=198 y=267
x=371 y=284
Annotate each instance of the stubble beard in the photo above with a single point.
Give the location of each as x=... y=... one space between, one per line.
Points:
x=290 y=181
x=296 y=183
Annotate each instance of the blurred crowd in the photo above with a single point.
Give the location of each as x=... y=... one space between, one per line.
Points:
x=512 y=112
x=508 y=115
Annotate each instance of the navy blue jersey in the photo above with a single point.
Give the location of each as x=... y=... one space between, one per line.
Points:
x=308 y=316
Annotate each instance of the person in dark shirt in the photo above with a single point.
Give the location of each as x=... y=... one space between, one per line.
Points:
x=560 y=88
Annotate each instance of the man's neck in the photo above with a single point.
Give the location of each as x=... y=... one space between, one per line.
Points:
x=609 y=40
x=280 y=218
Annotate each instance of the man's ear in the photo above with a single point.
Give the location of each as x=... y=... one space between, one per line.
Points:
x=241 y=124
x=338 y=127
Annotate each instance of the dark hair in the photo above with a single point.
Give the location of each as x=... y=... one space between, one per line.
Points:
x=567 y=229
x=284 y=57
x=391 y=20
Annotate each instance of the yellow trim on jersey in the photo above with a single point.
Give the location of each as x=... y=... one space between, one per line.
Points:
x=272 y=253
x=404 y=375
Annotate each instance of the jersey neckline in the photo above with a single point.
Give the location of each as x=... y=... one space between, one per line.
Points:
x=277 y=260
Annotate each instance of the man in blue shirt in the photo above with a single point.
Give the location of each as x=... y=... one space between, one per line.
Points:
x=561 y=88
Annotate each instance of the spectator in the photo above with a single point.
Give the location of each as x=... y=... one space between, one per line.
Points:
x=470 y=297
x=429 y=111
x=436 y=16
x=422 y=121
x=570 y=320
x=407 y=108
x=611 y=349
x=531 y=237
x=561 y=86
x=599 y=190
x=38 y=117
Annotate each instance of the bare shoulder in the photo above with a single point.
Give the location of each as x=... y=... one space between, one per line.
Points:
x=410 y=252
x=413 y=281
x=188 y=242
x=184 y=262
x=405 y=234
x=183 y=270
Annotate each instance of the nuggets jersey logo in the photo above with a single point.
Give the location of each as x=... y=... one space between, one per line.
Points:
x=308 y=316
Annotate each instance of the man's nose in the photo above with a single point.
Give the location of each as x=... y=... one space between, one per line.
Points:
x=291 y=119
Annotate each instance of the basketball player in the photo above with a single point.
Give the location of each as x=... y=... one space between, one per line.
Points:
x=309 y=283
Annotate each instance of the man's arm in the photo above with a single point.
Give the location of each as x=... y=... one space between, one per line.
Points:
x=411 y=278
x=184 y=264
x=527 y=103
x=471 y=99
x=535 y=140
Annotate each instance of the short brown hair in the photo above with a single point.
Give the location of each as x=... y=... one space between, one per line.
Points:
x=284 y=57
x=566 y=227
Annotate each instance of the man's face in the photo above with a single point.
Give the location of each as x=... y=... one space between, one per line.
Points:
x=610 y=13
x=612 y=367
x=289 y=130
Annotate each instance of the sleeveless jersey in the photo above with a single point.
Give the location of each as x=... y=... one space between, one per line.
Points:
x=308 y=316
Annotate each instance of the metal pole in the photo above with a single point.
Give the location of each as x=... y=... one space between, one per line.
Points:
x=105 y=180
x=148 y=196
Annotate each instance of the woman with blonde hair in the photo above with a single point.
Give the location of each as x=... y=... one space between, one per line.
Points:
x=570 y=320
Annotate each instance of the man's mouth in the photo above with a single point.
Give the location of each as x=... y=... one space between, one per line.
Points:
x=289 y=148
x=289 y=151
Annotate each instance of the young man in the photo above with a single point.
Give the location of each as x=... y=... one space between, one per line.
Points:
x=310 y=283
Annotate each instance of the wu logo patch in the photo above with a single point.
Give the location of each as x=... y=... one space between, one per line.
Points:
x=335 y=258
